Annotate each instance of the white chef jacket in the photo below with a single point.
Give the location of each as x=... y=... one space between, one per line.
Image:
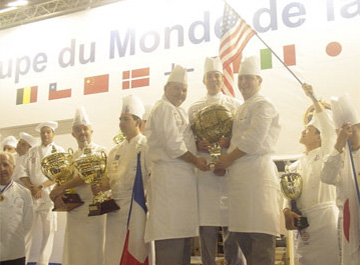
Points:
x=122 y=163
x=337 y=171
x=254 y=191
x=84 y=236
x=20 y=160
x=172 y=192
x=16 y=217
x=319 y=242
x=212 y=189
x=32 y=169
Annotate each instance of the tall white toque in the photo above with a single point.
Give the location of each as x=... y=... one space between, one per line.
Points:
x=250 y=66
x=212 y=65
x=81 y=118
x=10 y=140
x=179 y=75
x=51 y=124
x=344 y=111
x=31 y=140
x=132 y=104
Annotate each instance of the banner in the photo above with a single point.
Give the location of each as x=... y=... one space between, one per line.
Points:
x=95 y=57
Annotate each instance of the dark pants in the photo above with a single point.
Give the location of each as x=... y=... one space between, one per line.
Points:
x=20 y=261
x=173 y=251
x=258 y=249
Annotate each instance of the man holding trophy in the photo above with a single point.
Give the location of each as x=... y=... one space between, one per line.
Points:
x=317 y=243
x=84 y=236
x=40 y=187
x=122 y=161
x=172 y=195
x=254 y=193
x=212 y=188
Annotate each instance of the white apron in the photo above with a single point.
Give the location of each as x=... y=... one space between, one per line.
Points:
x=212 y=189
x=318 y=244
x=172 y=202
x=84 y=236
x=254 y=197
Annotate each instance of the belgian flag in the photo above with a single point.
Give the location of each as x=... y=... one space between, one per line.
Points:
x=26 y=95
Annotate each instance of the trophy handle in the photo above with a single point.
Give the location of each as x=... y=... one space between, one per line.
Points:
x=294 y=207
x=104 y=156
x=70 y=151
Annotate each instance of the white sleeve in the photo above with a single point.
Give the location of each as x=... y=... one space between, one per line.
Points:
x=332 y=165
x=28 y=211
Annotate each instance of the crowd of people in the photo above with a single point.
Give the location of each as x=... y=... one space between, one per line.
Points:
x=240 y=195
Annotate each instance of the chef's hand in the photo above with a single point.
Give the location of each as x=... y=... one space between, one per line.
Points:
x=223 y=162
x=59 y=202
x=343 y=135
x=224 y=142
x=290 y=219
x=57 y=191
x=203 y=145
x=201 y=163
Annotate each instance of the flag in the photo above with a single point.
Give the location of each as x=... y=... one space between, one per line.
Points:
x=136 y=78
x=57 y=94
x=26 y=95
x=289 y=57
x=135 y=249
x=235 y=35
x=96 y=84
x=351 y=212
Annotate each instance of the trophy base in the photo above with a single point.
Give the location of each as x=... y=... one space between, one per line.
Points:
x=72 y=201
x=302 y=223
x=100 y=208
x=219 y=172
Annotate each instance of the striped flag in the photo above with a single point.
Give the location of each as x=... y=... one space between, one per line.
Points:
x=136 y=78
x=135 y=249
x=235 y=35
x=57 y=94
x=26 y=95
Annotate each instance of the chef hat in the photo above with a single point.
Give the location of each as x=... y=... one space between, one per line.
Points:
x=52 y=124
x=133 y=105
x=250 y=66
x=81 y=118
x=315 y=120
x=148 y=109
x=212 y=64
x=10 y=140
x=344 y=111
x=31 y=140
x=179 y=75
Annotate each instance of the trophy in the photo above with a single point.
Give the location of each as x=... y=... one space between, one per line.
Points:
x=211 y=123
x=291 y=187
x=58 y=168
x=92 y=167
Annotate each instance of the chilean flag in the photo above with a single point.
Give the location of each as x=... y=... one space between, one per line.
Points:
x=135 y=250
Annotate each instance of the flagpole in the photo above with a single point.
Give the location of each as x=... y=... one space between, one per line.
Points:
x=282 y=62
x=353 y=171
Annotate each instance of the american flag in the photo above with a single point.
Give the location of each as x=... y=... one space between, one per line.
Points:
x=235 y=35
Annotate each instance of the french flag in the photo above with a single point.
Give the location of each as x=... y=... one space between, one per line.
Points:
x=135 y=249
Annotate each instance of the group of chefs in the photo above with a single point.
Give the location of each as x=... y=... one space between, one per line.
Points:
x=239 y=195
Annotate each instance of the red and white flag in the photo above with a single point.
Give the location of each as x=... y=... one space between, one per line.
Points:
x=235 y=35
x=135 y=249
x=351 y=214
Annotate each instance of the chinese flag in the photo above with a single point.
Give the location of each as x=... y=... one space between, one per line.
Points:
x=96 y=84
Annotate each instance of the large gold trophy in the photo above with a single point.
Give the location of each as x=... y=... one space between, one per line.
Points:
x=92 y=168
x=58 y=167
x=291 y=187
x=211 y=123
